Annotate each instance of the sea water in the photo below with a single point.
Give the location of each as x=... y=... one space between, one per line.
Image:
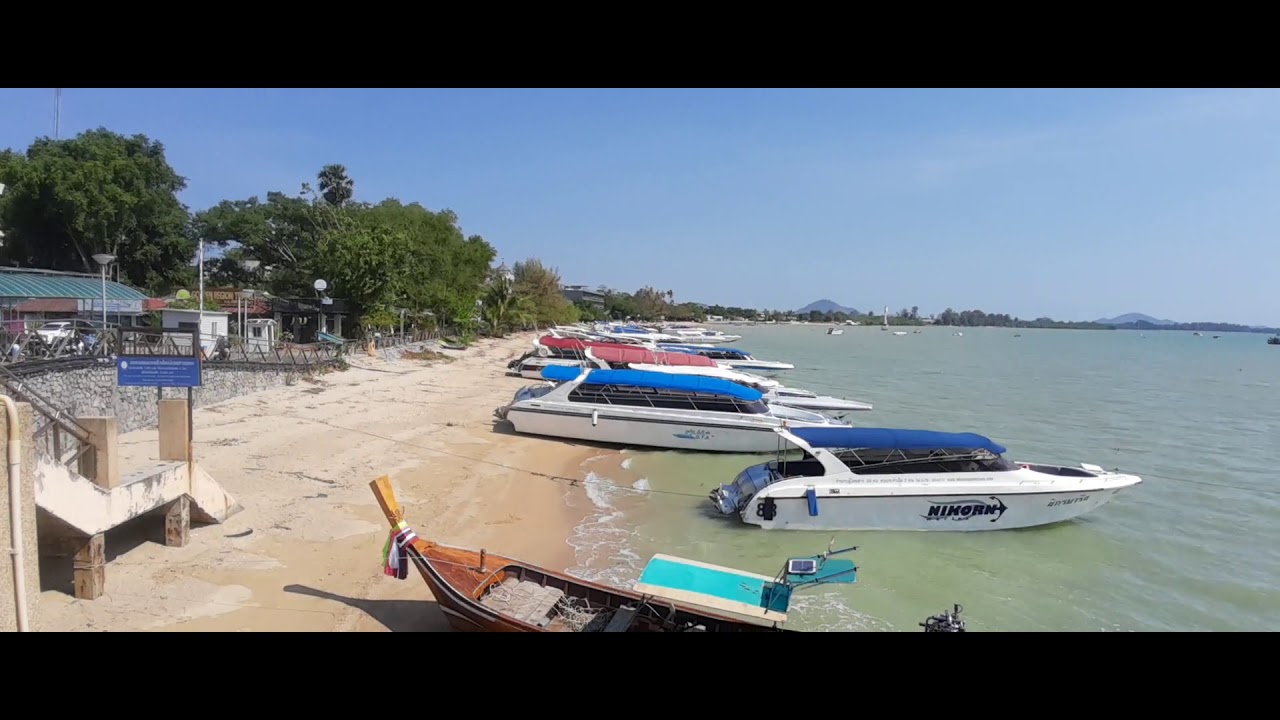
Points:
x=1195 y=547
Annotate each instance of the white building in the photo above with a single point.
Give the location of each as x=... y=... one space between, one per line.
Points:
x=261 y=334
x=213 y=327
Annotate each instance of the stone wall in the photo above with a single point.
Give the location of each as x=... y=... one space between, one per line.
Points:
x=92 y=390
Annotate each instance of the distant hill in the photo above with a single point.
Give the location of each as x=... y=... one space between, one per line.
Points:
x=825 y=306
x=1130 y=318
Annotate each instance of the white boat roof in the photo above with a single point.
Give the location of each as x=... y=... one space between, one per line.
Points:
x=710 y=371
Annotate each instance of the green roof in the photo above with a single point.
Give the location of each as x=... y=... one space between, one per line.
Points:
x=26 y=285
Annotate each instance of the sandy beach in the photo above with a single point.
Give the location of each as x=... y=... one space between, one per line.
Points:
x=304 y=554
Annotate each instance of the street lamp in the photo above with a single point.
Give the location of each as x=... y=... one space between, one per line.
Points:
x=104 y=259
x=320 y=285
x=246 y=296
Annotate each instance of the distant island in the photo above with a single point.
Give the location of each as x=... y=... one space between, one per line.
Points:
x=827 y=307
x=829 y=311
x=1131 y=318
x=1218 y=327
x=650 y=304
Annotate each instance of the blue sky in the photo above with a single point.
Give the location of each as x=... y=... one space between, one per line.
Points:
x=1072 y=203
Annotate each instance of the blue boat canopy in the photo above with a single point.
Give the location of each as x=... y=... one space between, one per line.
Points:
x=695 y=349
x=656 y=380
x=891 y=439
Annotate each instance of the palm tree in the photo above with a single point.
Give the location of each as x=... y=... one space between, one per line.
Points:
x=336 y=187
x=499 y=302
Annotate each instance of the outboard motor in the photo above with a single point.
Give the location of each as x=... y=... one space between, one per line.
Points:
x=731 y=498
x=515 y=364
x=945 y=622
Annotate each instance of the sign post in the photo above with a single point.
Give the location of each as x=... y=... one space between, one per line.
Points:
x=158 y=371
x=162 y=371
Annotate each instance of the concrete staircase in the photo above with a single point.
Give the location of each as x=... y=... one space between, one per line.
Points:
x=77 y=482
x=90 y=509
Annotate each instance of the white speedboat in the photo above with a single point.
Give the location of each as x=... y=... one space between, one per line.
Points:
x=774 y=392
x=634 y=332
x=834 y=331
x=570 y=352
x=615 y=353
x=732 y=358
x=530 y=365
x=700 y=334
x=630 y=407
x=881 y=479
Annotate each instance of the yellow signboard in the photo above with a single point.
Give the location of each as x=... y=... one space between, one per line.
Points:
x=221 y=295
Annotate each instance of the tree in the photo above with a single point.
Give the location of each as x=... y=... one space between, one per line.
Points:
x=650 y=304
x=374 y=256
x=444 y=271
x=193 y=303
x=336 y=187
x=99 y=192
x=284 y=234
x=363 y=263
x=498 y=303
x=541 y=285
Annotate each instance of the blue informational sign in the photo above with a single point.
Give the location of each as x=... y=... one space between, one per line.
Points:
x=157 y=371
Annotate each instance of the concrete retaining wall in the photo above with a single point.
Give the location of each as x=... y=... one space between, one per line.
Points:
x=30 y=544
x=93 y=391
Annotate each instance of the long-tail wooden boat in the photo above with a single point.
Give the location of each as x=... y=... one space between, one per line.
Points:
x=482 y=592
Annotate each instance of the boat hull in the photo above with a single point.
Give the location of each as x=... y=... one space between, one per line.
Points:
x=967 y=512
x=755 y=365
x=459 y=578
x=532 y=367
x=661 y=431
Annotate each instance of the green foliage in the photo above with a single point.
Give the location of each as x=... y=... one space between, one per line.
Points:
x=99 y=192
x=498 y=303
x=380 y=318
x=541 y=285
x=336 y=187
x=193 y=303
x=590 y=313
x=376 y=257
x=648 y=304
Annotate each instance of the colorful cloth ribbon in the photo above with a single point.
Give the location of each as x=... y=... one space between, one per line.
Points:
x=395 y=556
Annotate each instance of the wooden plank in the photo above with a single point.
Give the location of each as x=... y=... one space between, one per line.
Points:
x=177 y=522
x=89 y=573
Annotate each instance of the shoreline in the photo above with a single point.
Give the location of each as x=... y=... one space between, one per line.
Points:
x=305 y=553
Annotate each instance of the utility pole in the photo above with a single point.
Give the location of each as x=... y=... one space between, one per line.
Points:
x=57 y=113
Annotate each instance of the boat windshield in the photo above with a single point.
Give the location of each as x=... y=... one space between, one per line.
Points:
x=942 y=460
x=633 y=396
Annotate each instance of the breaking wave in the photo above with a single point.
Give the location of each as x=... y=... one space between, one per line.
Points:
x=605 y=552
x=602 y=545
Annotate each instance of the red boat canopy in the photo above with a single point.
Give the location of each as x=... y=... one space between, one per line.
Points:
x=618 y=353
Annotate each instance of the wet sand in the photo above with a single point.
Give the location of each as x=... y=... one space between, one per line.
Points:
x=305 y=554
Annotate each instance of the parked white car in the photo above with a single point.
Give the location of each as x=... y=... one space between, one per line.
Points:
x=51 y=331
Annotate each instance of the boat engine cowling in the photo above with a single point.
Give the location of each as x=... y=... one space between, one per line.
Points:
x=732 y=497
x=945 y=622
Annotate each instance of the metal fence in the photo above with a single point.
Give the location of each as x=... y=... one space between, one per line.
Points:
x=391 y=340
x=57 y=434
x=29 y=349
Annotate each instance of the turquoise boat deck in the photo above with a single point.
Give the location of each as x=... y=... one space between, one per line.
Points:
x=711 y=586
